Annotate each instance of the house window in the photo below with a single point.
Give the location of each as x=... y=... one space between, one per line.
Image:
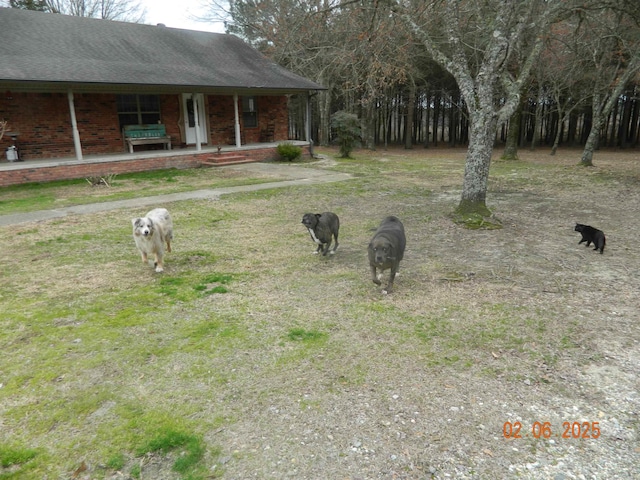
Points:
x=191 y=113
x=138 y=109
x=249 y=112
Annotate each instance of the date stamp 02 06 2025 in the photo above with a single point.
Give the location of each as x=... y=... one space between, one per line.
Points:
x=584 y=430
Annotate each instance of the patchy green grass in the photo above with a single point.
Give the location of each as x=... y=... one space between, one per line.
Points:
x=214 y=283
x=476 y=221
x=65 y=193
x=12 y=456
x=305 y=336
x=168 y=440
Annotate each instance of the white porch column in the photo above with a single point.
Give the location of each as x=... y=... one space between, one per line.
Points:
x=197 y=122
x=74 y=126
x=237 y=120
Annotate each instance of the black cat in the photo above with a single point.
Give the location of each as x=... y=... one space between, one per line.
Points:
x=589 y=235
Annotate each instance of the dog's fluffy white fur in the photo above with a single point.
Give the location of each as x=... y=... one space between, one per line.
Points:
x=151 y=232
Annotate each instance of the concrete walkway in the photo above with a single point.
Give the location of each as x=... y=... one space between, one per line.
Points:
x=291 y=175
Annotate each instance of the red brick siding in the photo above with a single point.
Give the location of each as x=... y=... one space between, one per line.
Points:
x=274 y=110
x=44 y=122
x=170 y=107
x=221 y=119
x=97 y=118
x=270 y=109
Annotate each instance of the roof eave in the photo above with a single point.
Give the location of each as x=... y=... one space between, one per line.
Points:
x=79 y=87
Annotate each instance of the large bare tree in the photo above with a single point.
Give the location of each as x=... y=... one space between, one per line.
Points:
x=475 y=40
x=611 y=51
x=565 y=73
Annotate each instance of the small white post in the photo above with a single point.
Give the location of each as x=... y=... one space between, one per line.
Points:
x=194 y=98
x=237 y=120
x=74 y=126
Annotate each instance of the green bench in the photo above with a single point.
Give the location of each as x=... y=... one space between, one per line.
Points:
x=146 y=135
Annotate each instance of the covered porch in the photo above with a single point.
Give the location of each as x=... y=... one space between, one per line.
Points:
x=66 y=168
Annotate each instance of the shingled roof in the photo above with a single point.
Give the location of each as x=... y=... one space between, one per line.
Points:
x=61 y=50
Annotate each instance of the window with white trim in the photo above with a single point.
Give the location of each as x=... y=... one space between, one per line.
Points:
x=249 y=112
x=138 y=109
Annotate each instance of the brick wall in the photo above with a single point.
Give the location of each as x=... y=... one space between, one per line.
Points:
x=274 y=110
x=73 y=170
x=44 y=122
x=221 y=119
x=270 y=110
x=98 y=126
x=170 y=108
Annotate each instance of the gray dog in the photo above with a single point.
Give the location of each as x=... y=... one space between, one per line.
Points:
x=322 y=226
x=386 y=249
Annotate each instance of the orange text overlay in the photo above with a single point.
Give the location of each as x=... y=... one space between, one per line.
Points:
x=545 y=430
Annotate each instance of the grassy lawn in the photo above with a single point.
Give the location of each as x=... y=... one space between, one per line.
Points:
x=250 y=357
x=65 y=193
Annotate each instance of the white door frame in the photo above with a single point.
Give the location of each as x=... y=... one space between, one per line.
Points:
x=192 y=104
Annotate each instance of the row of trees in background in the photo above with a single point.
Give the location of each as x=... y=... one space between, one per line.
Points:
x=439 y=119
x=471 y=72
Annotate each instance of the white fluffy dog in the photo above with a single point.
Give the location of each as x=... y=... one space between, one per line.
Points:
x=151 y=232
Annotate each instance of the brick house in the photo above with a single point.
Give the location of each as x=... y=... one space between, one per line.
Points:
x=69 y=86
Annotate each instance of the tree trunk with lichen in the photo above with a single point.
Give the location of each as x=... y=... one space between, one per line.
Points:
x=476 y=171
x=511 y=144
x=597 y=120
x=513 y=134
x=590 y=145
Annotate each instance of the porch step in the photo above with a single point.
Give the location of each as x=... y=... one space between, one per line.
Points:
x=225 y=159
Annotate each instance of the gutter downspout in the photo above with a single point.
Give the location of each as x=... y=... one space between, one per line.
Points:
x=74 y=126
x=237 y=120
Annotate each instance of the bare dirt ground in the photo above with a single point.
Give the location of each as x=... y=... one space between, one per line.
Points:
x=546 y=331
x=491 y=338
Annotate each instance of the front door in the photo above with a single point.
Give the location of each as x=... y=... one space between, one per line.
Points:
x=189 y=104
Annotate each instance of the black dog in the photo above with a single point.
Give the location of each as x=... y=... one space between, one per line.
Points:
x=589 y=235
x=322 y=226
x=386 y=249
